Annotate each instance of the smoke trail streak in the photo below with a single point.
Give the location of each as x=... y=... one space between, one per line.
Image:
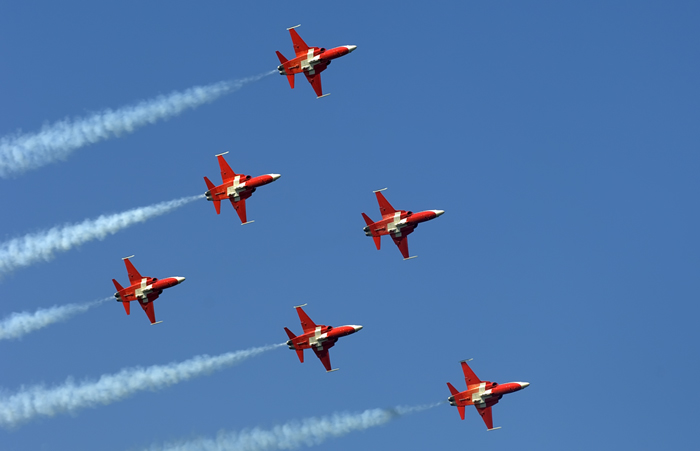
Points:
x=21 y=152
x=42 y=245
x=19 y=324
x=307 y=432
x=30 y=402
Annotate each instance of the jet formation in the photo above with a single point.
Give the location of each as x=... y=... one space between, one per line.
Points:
x=318 y=338
x=396 y=223
x=309 y=60
x=145 y=290
x=481 y=394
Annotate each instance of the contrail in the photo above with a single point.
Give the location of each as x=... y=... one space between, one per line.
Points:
x=34 y=247
x=19 y=324
x=307 y=432
x=22 y=152
x=30 y=402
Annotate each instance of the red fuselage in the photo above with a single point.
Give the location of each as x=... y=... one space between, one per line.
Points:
x=323 y=337
x=400 y=223
x=240 y=187
x=147 y=290
x=315 y=60
x=485 y=393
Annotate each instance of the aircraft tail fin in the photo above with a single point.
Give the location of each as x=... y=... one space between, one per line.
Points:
x=453 y=390
x=377 y=239
x=290 y=334
x=210 y=185
x=460 y=409
x=117 y=285
x=285 y=65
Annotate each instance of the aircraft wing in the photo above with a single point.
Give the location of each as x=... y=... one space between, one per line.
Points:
x=134 y=276
x=486 y=416
x=384 y=206
x=300 y=47
x=226 y=171
x=240 y=209
x=402 y=243
x=150 y=311
x=306 y=323
x=324 y=357
x=469 y=375
x=315 y=81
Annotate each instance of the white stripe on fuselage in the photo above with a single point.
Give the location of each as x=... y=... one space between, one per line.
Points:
x=317 y=339
x=393 y=226
x=142 y=291
x=307 y=65
x=233 y=190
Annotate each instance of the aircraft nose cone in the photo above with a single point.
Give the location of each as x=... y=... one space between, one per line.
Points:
x=438 y=212
x=524 y=384
x=275 y=176
x=357 y=328
x=180 y=279
x=351 y=48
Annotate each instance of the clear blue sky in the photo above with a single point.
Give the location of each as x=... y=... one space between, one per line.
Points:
x=561 y=140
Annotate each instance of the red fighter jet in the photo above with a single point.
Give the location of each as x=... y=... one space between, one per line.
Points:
x=309 y=60
x=142 y=289
x=397 y=223
x=236 y=187
x=317 y=337
x=481 y=394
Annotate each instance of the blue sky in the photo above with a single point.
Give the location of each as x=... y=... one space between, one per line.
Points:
x=560 y=139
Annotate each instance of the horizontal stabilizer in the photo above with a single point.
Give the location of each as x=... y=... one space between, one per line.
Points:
x=117 y=285
x=217 y=206
x=453 y=390
x=127 y=307
x=460 y=409
x=290 y=334
x=210 y=185
x=367 y=220
x=300 y=353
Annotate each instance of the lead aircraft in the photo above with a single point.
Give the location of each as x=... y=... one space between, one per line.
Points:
x=309 y=60
x=481 y=394
x=319 y=338
x=145 y=290
x=235 y=187
x=397 y=223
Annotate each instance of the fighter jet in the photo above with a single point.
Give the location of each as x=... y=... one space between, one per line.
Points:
x=397 y=223
x=481 y=394
x=317 y=337
x=236 y=187
x=309 y=60
x=142 y=289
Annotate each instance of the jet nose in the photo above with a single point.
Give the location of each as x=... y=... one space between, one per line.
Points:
x=524 y=384
x=275 y=176
x=357 y=328
x=351 y=48
x=180 y=279
x=438 y=212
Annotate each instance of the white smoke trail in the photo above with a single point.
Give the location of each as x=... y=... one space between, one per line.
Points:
x=42 y=245
x=307 y=432
x=19 y=324
x=21 y=152
x=30 y=402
